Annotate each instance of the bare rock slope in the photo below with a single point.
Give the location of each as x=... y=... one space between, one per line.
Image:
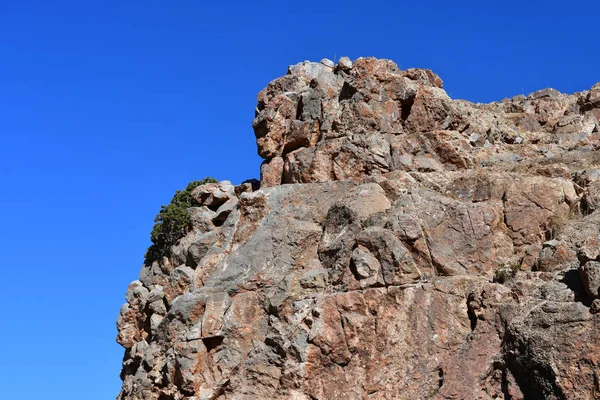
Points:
x=403 y=245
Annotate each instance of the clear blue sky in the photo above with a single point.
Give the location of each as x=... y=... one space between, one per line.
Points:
x=107 y=107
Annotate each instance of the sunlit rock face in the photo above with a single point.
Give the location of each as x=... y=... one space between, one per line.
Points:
x=402 y=245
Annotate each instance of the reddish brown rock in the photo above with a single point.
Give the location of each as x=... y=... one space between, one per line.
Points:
x=402 y=245
x=271 y=173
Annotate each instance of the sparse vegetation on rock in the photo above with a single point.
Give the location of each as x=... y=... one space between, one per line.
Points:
x=504 y=273
x=172 y=221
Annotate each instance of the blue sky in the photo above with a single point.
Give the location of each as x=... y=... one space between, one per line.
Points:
x=107 y=107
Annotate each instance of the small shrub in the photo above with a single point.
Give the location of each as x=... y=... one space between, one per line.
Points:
x=514 y=268
x=172 y=221
x=504 y=273
x=501 y=275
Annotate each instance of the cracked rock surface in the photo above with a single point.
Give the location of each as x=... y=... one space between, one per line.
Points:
x=402 y=245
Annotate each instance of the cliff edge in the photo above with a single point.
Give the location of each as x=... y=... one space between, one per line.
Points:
x=402 y=245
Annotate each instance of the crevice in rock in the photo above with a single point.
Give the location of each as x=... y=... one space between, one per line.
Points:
x=535 y=380
x=406 y=108
x=503 y=199
x=440 y=377
x=276 y=343
x=471 y=313
x=220 y=221
x=504 y=385
x=347 y=92
x=343 y=364
x=585 y=207
x=300 y=108
x=572 y=279
x=212 y=343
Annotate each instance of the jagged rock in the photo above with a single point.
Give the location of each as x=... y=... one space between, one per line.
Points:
x=212 y=322
x=345 y=63
x=213 y=195
x=589 y=249
x=271 y=173
x=224 y=210
x=247 y=186
x=327 y=62
x=595 y=307
x=590 y=276
x=202 y=218
x=366 y=267
x=400 y=245
x=555 y=256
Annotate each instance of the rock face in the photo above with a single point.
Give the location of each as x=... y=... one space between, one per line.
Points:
x=403 y=245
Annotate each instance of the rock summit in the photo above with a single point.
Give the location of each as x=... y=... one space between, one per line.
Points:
x=400 y=245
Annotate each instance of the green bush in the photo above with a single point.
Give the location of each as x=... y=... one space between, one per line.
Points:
x=506 y=272
x=172 y=221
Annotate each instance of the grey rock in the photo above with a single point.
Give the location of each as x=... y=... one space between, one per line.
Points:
x=544 y=93
x=397 y=264
x=216 y=306
x=317 y=278
x=201 y=218
x=366 y=268
x=223 y=211
x=155 y=321
x=213 y=195
x=595 y=307
x=328 y=63
x=345 y=63
x=590 y=276
x=194 y=333
x=158 y=307
x=137 y=295
x=199 y=248
x=156 y=293
x=476 y=139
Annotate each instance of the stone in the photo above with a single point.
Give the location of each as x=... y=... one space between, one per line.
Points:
x=179 y=281
x=249 y=185
x=156 y=294
x=396 y=262
x=137 y=295
x=345 y=64
x=592 y=197
x=199 y=247
x=216 y=307
x=555 y=256
x=590 y=276
x=271 y=173
x=201 y=218
x=544 y=93
x=327 y=62
x=366 y=267
x=315 y=279
x=214 y=195
x=595 y=307
x=425 y=76
x=224 y=210
x=590 y=248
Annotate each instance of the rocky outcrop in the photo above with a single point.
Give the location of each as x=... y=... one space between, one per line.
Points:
x=402 y=245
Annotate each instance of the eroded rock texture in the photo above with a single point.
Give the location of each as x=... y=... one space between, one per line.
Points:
x=403 y=245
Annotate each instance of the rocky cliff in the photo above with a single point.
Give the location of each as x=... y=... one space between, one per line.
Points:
x=402 y=245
